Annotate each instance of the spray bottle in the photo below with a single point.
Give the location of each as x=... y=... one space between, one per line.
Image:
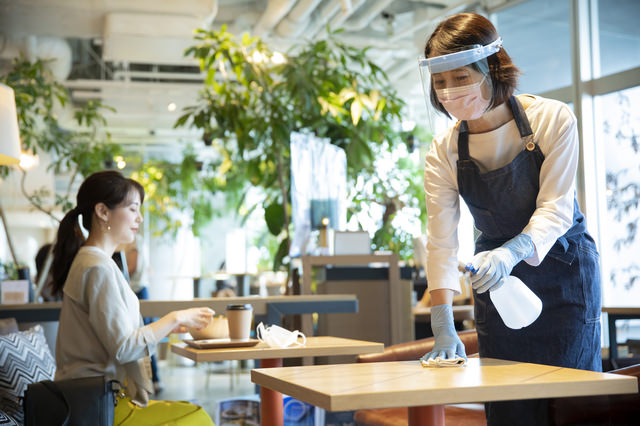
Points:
x=517 y=305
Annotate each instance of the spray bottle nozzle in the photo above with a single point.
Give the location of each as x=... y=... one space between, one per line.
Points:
x=469 y=267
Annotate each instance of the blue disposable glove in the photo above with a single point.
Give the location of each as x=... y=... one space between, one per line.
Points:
x=447 y=343
x=494 y=265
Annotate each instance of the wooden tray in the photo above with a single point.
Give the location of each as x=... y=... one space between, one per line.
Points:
x=220 y=343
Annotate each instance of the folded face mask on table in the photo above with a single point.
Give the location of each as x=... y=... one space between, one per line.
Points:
x=278 y=337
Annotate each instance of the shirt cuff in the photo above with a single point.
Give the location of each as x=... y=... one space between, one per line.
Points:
x=541 y=246
x=150 y=340
x=446 y=284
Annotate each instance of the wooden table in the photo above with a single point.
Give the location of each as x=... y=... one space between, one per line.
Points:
x=615 y=314
x=271 y=401
x=272 y=307
x=460 y=313
x=424 y=390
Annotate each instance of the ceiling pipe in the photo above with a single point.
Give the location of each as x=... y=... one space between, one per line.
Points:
x=297 y=20
x=401 y=68
x=361 y=22
x=430 y=19
x=322 y=16
x=208 y=21
x=275 y=11
x=360 y=41
x=348 y=7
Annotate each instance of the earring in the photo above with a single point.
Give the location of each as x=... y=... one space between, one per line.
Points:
x=108 y=227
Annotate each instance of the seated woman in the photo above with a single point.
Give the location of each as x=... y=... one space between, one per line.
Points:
x=101 y=331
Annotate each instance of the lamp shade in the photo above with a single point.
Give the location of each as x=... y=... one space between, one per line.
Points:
x=9 y=136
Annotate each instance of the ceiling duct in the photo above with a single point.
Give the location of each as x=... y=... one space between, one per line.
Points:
x=426 y=18
x=275 y=11
x=148 y=38
x=321 y=17
x=297 y=20
x=369 y=15
x=348 y=8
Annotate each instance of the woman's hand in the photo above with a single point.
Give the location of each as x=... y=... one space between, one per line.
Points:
x=179 y=330
x=178 y=321
x=447 y=345
x=194 y=317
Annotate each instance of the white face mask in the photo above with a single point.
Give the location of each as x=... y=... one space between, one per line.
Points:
x=464 y=102
x=278 y=337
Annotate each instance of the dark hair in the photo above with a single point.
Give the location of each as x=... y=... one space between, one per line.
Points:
x=466 y=29
x=41 y=257
x=108 y=187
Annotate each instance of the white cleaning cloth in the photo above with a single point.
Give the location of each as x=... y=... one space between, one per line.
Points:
x=439 y=362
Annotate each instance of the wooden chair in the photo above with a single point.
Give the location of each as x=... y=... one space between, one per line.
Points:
x=609 y=410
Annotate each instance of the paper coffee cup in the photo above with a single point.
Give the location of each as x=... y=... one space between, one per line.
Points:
x=239 y=318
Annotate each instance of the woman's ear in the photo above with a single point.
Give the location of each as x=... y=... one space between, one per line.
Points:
x=102 y=211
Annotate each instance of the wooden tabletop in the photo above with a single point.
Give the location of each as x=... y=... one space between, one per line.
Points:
x=460 y=313
x=622 y=310
x=315 y=346
x=156 y=308
x=50 y=311
x=408 y=384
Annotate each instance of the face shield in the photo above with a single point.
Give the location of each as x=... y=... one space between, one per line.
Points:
x=458 y=82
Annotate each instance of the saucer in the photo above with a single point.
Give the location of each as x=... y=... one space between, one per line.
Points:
x=221 y=343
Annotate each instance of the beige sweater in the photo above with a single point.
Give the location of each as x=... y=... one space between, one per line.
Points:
x=101 y=331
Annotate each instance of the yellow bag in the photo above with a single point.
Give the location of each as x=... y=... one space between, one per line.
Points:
x=170 y=413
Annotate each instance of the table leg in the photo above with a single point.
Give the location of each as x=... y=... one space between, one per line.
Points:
x=270 y=401
x=613 y=341
x=428 y=415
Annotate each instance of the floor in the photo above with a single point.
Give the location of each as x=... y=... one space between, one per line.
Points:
x=204 y=384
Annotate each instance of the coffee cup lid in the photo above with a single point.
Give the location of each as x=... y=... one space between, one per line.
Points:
x=239 y=307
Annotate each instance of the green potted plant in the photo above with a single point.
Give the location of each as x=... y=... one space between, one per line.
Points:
x=77 y=152
x=254 y=99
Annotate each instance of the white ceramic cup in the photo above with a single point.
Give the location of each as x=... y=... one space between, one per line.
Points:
x=517 y=305
x=239 y=318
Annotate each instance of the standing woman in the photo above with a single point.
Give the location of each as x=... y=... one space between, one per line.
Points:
x=513 y=160
x=101 y=331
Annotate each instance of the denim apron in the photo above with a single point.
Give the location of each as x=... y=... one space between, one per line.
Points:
x=567 y=333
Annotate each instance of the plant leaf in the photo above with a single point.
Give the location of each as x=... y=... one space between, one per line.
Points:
x=274 y=216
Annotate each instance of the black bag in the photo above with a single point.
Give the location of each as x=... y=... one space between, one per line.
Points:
x=71 y=402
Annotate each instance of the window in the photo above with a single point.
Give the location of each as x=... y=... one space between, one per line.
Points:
x=537 y=36
x=620 y=243
x=618 y=35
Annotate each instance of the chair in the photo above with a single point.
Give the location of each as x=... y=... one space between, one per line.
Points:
x=467 y=415
x=599 y=410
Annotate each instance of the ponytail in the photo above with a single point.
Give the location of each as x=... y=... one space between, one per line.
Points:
x=68 y=242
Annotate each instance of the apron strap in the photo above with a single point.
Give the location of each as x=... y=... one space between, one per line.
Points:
x=463 y=140
x=526 y=134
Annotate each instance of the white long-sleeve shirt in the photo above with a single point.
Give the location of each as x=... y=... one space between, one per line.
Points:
x=555 y=131
x=101 y=331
